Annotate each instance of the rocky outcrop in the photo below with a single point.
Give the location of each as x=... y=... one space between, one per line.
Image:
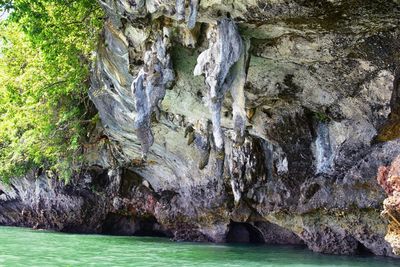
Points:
x=389 y=179
x=280 y=140
x=95 y=201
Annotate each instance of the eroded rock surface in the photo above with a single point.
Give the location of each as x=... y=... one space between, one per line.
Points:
x=300 y=93
x=389 y=179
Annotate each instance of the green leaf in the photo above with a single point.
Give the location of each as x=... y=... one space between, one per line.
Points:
x=45 y=47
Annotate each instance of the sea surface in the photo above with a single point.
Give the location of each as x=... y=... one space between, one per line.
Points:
x=26 y=247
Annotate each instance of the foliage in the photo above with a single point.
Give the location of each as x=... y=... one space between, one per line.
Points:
x=45 y=53
x=321 y=117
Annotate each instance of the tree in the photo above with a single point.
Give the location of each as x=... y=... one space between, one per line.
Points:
x=45 y=53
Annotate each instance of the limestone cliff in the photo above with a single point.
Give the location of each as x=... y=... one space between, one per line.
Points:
x=228 y=120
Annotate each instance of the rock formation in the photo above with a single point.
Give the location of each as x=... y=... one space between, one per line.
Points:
x=148 y=88
x=280 y=141
x=389 y=179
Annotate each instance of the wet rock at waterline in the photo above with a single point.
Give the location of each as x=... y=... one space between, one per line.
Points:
x=285 y=127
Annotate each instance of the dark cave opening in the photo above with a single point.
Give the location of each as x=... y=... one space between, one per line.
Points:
x=149 y=227
x=244 y=233
x=129 y=180
x=100 y=177
x=125 y=225
x=363 y=250
x=116 y=224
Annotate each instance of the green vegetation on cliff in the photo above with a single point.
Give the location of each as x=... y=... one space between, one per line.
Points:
x=45 y=53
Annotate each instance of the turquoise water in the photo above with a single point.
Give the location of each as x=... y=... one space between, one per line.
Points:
x=25 y=247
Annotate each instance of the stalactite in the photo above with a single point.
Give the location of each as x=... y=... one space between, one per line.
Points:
x=226 y=48
x=143 y=116
x=180 y=10
x=239 y=75
x=323 y=149
x=149 y=88
x=193 y=4
x=180 y=7
x=202 y=141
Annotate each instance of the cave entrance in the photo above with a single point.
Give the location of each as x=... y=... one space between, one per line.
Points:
x=362 y=250
x=149 y=227
x=123 y=225
x=244 y=233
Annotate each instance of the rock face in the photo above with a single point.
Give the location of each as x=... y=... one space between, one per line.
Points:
x=280 y=141
x=95 y=201
x=389 y=179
